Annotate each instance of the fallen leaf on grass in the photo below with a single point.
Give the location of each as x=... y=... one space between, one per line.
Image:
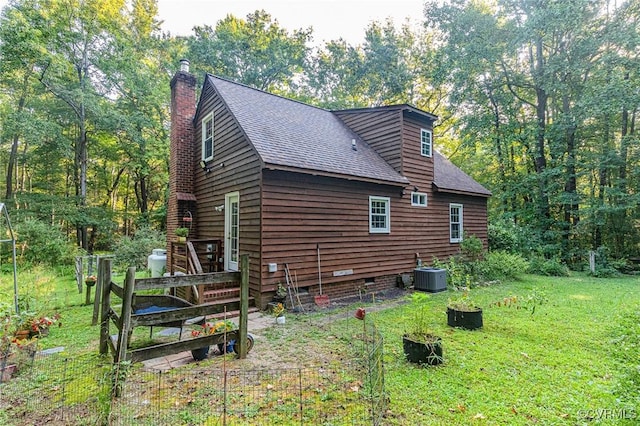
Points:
x=479 y=416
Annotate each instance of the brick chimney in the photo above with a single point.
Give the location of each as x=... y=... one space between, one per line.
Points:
x=181 y=150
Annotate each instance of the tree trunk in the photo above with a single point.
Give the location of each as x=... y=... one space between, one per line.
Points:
x=571 y=206
x=13 y=153
x=498 y=145
x=142 y=196
x=602 y=184
x=83 y=75
x=541 y=121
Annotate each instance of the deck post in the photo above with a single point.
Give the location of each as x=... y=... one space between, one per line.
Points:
x=244 y=306
x=125 y=318
x=104 y=277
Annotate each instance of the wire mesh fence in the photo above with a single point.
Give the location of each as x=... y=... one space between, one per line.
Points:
x=71 y=391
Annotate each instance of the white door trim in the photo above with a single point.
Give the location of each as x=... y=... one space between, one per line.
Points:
x=231 y=231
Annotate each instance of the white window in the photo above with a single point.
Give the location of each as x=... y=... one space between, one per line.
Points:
x=379 y=215
x=426 y=142
x=455 y=223
x=207 y=137
x=419 y=199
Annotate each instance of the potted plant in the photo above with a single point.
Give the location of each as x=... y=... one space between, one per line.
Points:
x=464 y=312
x=21 y=323
x=213 y=328
x=91 y=280
x=420 y=345
x=14 y=352
x=181 y=234
x=278 y=312
x=40 y=325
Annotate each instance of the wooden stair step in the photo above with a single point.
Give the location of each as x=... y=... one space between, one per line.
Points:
x=220 y=293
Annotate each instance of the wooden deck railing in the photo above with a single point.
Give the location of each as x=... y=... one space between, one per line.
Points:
x=196 y=256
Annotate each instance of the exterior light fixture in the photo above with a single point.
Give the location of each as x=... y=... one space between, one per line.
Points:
x=204 y=167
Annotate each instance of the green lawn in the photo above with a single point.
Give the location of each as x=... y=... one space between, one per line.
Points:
x=574 y=361
x=565 y=364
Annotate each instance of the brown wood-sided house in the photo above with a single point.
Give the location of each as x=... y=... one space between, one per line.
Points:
x=284 y=181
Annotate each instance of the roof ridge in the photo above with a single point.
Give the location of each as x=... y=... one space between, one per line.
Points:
x=403 y=107
x=228 y=80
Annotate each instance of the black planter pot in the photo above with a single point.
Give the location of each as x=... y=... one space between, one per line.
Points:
x=200 y=353
x=426 y=351
x=469 y=320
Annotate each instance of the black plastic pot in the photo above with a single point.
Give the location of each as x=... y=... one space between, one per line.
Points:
x=427 y=351
x=469 y=320
x=232 y=346
x=200 y=353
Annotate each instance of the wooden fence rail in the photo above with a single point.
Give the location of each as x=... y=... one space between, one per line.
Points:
x=128 y=319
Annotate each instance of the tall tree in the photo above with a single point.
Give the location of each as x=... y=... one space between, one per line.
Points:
x=134 y=72
x=20 y=50
x=536 y=65
x=256 y=51
x=80 y=34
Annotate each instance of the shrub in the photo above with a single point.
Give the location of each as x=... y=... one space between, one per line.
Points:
x=549 y=267
x=458 y=272
x=40 y=242
x=471 y=247
x=503 y=235
x=463 y=273
x=502 y=265
x=133 y=251
x=607 y=267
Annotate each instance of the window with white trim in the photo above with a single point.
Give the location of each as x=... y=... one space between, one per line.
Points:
x=419 y=199
x=426 y=142
x=455 y=223
x=379 y=215
x=207 y=137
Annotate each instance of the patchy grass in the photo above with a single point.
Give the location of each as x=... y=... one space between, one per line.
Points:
x=572 y=362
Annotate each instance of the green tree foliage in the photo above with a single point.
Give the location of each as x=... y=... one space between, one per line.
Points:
x=38 y=242
x=134 y=250
x=537 y=100
x=538 y=87
x=84 y=112
x=256 y=51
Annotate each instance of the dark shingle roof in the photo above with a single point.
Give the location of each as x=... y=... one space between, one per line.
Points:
x=447 y=177
x=291 y=135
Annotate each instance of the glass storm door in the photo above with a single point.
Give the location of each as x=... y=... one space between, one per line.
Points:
x=231 y=231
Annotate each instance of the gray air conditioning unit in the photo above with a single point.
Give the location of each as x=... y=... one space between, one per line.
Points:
x=430 y=279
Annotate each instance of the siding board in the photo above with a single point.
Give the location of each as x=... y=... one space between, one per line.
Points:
x=284 y=216
x=340 y=224
x=241 y=172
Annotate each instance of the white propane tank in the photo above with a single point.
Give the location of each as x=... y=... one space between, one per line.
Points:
x=157 y=262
